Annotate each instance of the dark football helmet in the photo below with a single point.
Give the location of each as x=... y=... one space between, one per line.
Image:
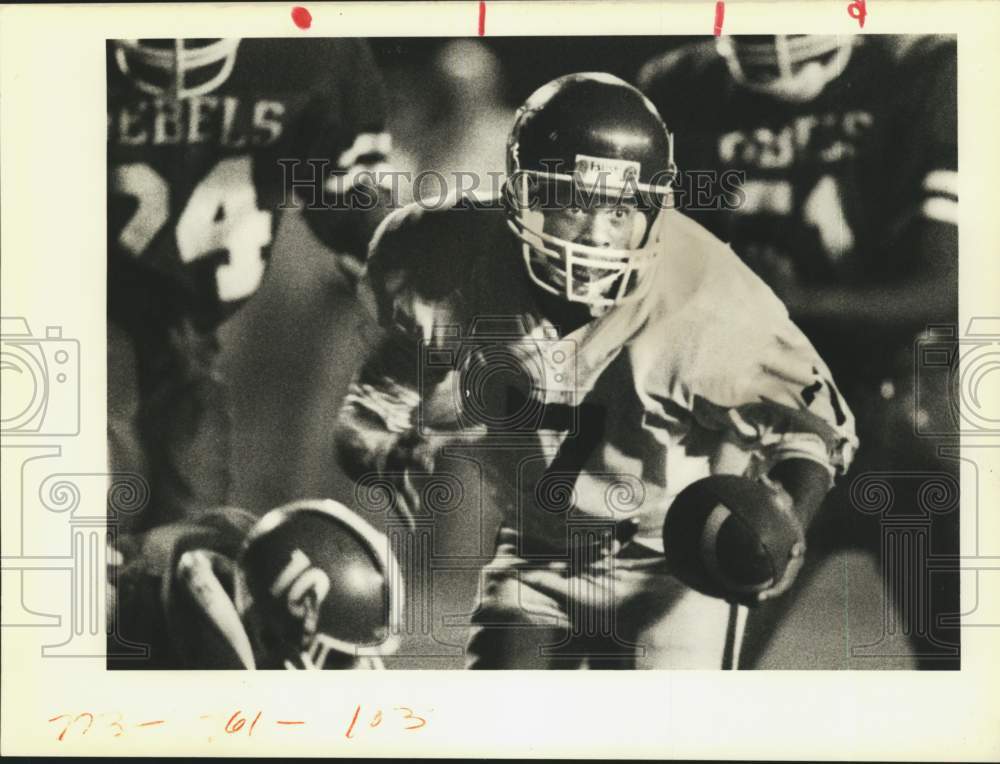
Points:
x=176 y=68
x=790 y=67
x=323 y=583
x=587 y=134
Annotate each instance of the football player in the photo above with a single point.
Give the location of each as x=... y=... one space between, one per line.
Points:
x=310 y=585
x=208 y=140
x=848 y=146
x=598 y=352
x=849 y=211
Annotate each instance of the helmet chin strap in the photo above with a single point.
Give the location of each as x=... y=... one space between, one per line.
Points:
x=598 y=289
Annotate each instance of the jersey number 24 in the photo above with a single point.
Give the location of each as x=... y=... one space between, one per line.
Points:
x=221 y=214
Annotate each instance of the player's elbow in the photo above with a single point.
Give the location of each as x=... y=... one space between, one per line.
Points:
x=359 y=442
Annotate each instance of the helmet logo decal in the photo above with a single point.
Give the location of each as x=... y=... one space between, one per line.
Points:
x=304 y=586
x=617 y=173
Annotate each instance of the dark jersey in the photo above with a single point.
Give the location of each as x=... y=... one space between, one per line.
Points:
x=856 y=186
x=195 y=183
x=152 y=607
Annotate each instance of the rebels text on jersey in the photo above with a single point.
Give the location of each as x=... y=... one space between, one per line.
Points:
x=195 y=183
x=856 y=185
x=704 y=372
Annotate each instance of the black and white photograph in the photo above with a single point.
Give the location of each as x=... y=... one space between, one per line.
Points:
x=599 y=351
x=501 y=346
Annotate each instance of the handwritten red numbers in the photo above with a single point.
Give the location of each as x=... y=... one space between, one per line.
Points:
x=857 y=10
x=83 y=722
x=235 y=724
x=73 y=720
x=237 y=721
x=406 y=717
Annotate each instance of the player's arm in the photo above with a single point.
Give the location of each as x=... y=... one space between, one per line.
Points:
x=352 y=135
x=376 y=430
x=376 y=419
x=218 y=626
x=806 y=482
x=798 y=429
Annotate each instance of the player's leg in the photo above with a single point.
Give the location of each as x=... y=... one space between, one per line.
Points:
x=126 y=453
x=185 y=424
x=672 y=625
x=520 y=612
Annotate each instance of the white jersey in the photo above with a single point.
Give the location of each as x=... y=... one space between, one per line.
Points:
x=703 y=373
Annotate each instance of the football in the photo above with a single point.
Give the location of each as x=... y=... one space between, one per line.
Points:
x=728 y=536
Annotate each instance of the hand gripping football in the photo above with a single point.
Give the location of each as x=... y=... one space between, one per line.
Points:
x=728 y=536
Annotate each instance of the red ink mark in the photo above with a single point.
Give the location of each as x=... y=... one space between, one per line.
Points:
x=254 y=722
x=302 y=18
x=354 y=721
x=117 y=723
x=720 y=16
x=74 y=720
x=857 y=10
x=284 y=722
x=150 y=724
x=482 y=17
x=235 y=723
x=57 y=718
x=410 y=715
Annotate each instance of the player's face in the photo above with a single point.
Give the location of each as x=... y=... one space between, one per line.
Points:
x=605 y=224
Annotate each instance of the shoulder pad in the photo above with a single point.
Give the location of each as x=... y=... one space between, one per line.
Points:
x=429 y=251
x=919 y=51
x=220 y=530
x=683 y=62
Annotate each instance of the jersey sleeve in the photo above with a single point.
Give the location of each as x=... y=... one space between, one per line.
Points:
x=784 y=404
x=409 y=284
x=757 y=380
x=672 y=77
x=795 y=413
x=922 y=234
x=365 y=144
